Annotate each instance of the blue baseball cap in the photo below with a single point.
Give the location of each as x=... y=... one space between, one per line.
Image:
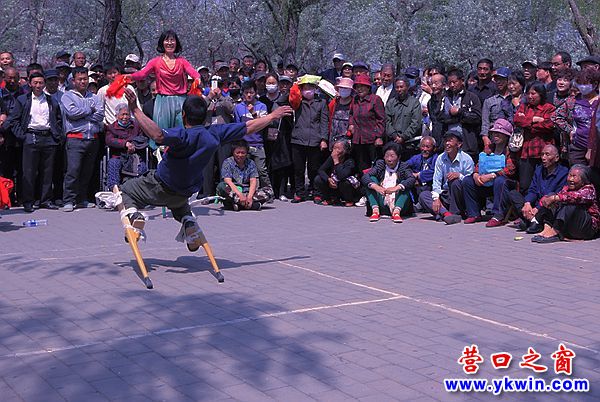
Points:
x=503 y=72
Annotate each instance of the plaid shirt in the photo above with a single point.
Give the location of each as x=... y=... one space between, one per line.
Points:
x=585 y=196
x=367 y=115
x=535 y=135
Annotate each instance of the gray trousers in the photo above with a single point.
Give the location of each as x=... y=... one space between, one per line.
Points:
x=259 y=157
x=452 y=199
x=148 y=190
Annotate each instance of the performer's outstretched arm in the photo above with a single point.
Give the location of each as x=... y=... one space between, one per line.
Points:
x=147 y=125
x=254 y=125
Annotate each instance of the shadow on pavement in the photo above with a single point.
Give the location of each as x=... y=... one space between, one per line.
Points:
x=143 y=344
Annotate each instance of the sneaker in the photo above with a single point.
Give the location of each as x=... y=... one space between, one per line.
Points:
x=451 y=219
x=256 y=206
x=236 y=207
x=68 y=207
x=28 y=207
x=396 y=218
x=85 y=204
x=283 y=198
x=138 y=221
x=318 y=200
x=375 y=217
x=471 y=219
x=494 y=222
x=362 y=202
x=348 y=204
x=297 y=200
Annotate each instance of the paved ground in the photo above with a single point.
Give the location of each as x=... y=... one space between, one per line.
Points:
x=318 y=304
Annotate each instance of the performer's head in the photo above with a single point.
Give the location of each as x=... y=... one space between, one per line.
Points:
x=194 y=111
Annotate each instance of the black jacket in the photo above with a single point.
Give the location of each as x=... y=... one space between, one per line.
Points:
x=342 y=170
x=20 y=116
x=469 y=118
x=405 y=175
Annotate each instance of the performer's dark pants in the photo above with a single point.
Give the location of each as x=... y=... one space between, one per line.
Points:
x=149 y=190
x=572 y=221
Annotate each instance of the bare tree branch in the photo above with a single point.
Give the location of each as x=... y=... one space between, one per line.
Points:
x=586 y=29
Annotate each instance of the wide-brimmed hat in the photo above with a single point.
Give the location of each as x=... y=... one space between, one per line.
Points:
x=362 y=79
x=343 y=82
x=328 y=88
x=309 y=79
x=502 y=126
x=589 y=59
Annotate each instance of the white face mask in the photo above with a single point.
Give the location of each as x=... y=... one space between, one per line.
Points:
x=272 y=88
x=345 y=92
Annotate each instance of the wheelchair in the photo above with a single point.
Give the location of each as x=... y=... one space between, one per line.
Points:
x=144 y=157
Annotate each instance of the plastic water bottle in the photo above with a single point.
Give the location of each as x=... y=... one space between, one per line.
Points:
x=33 y=223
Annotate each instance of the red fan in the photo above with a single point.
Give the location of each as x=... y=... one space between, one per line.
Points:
x=195 y=89
x=117 y=88
x=295 y=97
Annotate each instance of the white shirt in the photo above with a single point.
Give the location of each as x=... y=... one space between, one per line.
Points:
x=40 y=114
x=384 y=92
x=110 y=104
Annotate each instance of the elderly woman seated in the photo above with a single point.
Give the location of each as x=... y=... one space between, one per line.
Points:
x=240 y=180
x=572 y=212
x=388 y=184
x=335 y=179
x=125 y=141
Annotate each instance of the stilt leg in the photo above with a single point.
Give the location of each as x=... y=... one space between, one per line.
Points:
x=216 y=271
x=132 y=238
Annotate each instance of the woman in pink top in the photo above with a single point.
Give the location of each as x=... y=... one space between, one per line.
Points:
x=171 y=73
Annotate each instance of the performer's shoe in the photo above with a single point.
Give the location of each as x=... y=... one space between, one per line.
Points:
x=191 y=229
x=137 y=221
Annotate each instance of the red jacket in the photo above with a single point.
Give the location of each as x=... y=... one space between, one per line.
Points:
x=117 y=136
x=535 y=135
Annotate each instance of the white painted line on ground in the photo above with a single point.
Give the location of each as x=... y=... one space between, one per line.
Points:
x=432 y=304
x=195 y=327
x=576 y=259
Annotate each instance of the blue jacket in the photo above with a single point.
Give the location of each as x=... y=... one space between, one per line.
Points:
x=190 y=150
x=82 y=113
x=241 y=115
x=544 y=184
x=424 y=167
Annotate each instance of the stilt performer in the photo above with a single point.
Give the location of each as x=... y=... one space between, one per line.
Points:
x=179 y=174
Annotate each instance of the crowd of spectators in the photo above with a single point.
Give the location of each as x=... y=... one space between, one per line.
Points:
x=497 y=144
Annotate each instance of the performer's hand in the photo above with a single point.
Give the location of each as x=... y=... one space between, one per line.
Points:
x=282 y=111
x=436 y=206
x=131 y=99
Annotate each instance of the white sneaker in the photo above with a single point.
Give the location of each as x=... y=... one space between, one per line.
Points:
x=362 y=202
x=283 y=198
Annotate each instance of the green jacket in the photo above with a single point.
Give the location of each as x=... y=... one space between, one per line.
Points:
x=403 y=118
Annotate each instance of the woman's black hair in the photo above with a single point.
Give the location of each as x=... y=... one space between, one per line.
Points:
x=272 y=75
x=393 y=146
x=169 y=33
x=194 y=108
x=540 y=88
x=519 y=77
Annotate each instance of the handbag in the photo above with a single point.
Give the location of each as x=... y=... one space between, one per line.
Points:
x=515 y=143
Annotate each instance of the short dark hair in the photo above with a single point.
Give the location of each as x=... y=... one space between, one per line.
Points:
x=272 y=75
x=540 y=88
x=261 y=61
x=588 y=76
x=35 y=74
x=248 y=56
x=111 y=65
x=486 y=61
x=79 y=70
x=402 y=78
x=234 y=58
x=239 y=144
x=251 y=84
x=194 y=108
x=393 y=146
x=545 y=65
x=519 y=77
x=169 y=33
x=564 y=57
x=34 y=66
x=456 y=72
x=566 y=73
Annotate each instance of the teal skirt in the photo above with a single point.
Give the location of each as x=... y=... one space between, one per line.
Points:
x=167 y=110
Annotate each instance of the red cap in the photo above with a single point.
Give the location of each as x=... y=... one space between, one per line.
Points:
x=362 y=79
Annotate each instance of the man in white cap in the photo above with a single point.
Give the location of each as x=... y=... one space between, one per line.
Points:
x=332 y=73
x=132 y=61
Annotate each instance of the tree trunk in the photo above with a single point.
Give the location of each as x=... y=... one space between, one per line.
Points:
x=586 y=29
x=108 y=39
x=290 y=34
x=39 y=28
